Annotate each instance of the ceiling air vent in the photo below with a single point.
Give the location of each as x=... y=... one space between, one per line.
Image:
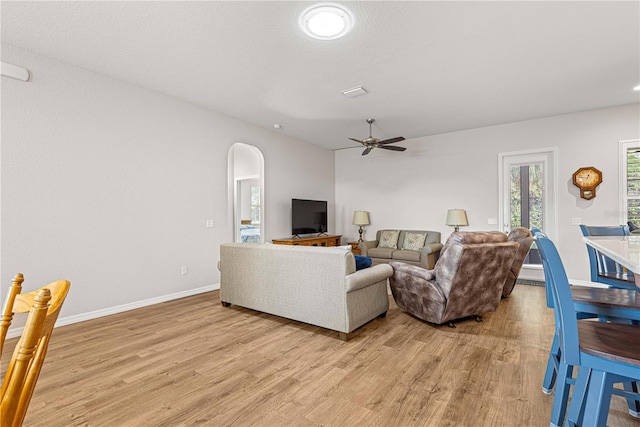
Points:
x=353 y=92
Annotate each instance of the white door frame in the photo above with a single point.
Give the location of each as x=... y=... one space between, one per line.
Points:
x=623 y=146
x=548 y=157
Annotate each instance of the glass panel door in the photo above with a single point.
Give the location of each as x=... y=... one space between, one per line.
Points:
x=527 y=194
x=526 y=204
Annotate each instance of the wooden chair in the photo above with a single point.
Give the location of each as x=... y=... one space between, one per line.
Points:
x=22 y=373
x=603 y=269
x=605 y=353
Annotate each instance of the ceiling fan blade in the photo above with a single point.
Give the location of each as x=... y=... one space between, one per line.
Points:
x=392 y=140
x=366 y=151
x=394 y=148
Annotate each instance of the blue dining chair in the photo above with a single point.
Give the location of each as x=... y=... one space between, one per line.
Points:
x=605 y=353
x=603 y=269
x=554 y=363
x=607 y=304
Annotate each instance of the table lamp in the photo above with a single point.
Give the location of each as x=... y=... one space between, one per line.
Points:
x=360 y=218
x=456 y=218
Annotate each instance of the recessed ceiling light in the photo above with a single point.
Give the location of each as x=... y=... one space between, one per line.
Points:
x=636 y=88
x=326 y=21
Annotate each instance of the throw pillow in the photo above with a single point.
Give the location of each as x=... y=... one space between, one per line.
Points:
x=362 y=262
x=414 y=241
x=389 y=239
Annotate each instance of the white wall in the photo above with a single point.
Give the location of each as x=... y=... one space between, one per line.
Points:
x=414 y=189
x=109 y=185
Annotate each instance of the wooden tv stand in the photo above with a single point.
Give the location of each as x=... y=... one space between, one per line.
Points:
x=310 y=241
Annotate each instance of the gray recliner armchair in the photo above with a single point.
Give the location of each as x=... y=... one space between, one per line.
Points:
x=524 y=238
x=467 y=280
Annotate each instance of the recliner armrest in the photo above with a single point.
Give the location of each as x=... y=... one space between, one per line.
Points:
x=414 y=270
x=411 y=277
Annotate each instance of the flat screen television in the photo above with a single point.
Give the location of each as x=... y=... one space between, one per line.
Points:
x=308 y=216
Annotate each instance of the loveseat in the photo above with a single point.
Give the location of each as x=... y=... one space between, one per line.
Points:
x=407 y=246
x=315 y=285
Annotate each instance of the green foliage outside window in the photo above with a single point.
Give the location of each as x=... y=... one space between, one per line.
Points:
x=534 y=194
x=526 y=181
x=633 y=185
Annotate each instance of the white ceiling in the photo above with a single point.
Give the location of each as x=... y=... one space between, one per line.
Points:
x=429 y=67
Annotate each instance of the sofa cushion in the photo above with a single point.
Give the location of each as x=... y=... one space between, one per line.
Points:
x=406 y=255
x=414 y=241
x=389 y=239
x=362 y=262
x=380 y=252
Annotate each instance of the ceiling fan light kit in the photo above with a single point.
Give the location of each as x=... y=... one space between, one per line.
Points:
x=370 y=143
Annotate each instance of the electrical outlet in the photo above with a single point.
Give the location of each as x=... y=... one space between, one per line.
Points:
x=210 y=223
x=575 y=221
x=185 y=270
x=492 y=221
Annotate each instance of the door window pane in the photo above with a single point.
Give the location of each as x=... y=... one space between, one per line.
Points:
x=526 y=196
x=633 y=185
x=526 y=201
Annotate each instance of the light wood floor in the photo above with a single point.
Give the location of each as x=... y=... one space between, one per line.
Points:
x=194 y=362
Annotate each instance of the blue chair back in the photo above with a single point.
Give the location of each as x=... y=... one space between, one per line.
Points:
x=599 y=263
x=604 y=230
x=566 y=319
x=535 y=231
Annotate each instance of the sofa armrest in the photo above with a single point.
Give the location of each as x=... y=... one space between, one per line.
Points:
x=367 y=244
x=368 y=276
x=432 y=248
x=430 y=254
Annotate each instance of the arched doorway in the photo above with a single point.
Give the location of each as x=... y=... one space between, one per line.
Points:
x=246 y=192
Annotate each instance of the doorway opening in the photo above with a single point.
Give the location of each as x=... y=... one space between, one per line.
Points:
x=527 y=194
x=246 y=182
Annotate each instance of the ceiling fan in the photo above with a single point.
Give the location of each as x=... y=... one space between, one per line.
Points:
x=372 y=142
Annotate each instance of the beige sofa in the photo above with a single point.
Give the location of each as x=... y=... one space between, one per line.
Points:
x=425 y=257
x=315 y=285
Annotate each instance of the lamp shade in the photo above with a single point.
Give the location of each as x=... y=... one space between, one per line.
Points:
x=361 y=218
x=456 y=217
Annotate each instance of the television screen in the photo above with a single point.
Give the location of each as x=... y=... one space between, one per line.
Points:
x=308 y=216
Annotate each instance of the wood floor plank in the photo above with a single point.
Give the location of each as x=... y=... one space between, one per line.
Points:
x=193 y=362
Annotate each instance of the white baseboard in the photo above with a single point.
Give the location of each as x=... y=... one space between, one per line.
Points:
x=63 y=321
x=532 y=272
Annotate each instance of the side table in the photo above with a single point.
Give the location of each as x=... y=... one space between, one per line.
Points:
x=354 y=248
